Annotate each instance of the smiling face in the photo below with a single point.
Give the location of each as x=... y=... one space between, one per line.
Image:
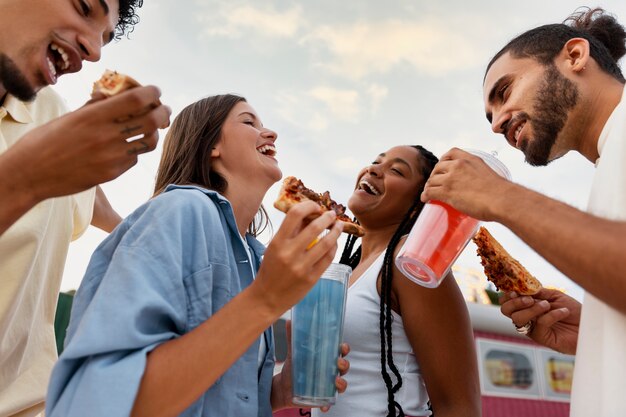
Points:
x=387 y=189
x=530 y=104
x=246 y=151
x=43 y=39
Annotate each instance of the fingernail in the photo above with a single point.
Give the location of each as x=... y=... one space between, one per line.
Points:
x=544 y=303
x=513 y=294
x=526 y=300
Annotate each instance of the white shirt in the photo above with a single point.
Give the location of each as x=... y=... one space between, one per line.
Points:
x=366 y=395
x=262 y=343
x=32 y=257
x=600 y=373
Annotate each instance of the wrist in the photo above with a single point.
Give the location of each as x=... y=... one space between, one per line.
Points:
x=18 y=196
x=508 y=200
x=269 y=303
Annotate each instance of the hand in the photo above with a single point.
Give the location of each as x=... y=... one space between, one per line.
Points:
x=555 y=316
x=282 y=387
x=90 y=145
x=465 y=182
x=290 y=267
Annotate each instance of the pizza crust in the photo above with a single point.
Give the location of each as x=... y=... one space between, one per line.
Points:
x=501 y=268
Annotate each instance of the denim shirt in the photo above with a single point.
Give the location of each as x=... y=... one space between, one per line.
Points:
x=164 y=270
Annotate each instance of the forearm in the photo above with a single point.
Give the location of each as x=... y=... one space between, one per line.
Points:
x=180 y=371
x=104 y=216
x=589 y=250
x=17 y=195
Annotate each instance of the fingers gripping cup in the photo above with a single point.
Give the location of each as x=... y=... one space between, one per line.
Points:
x=439 y=235
x=317 y=330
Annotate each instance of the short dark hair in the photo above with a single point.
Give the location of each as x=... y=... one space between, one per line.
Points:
x=605 y=35
x=128 y=17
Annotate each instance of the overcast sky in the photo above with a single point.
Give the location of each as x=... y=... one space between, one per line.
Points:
x=340 y=82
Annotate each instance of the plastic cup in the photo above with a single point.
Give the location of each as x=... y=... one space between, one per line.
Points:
x=439 y=235
x=316 y=335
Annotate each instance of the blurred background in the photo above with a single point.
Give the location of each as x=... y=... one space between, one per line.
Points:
x=340 y=82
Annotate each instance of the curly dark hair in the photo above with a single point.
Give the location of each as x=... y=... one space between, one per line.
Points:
x=606 y=37
x=128 y=17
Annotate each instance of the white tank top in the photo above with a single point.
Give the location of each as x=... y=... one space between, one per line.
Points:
x=366 y=395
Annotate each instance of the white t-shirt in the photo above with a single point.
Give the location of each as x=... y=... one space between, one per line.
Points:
x=366 y=395
x=262 y=343
x=600 y=371
x=32 y=257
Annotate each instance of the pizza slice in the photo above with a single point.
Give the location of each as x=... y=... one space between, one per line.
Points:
x=294 y=191
x=112 y=83
x=501 y=268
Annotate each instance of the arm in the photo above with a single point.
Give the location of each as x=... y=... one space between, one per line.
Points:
x=437 y=324
x=104 y=216
x=588 y=249
x=179 y=371
x=78 y=150
x=555 y=316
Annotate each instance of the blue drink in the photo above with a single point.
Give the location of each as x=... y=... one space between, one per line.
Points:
x=317 y=328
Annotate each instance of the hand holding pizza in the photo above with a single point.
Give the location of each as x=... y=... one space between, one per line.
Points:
x=555 y=317
x=290 y=267
x=90 y=146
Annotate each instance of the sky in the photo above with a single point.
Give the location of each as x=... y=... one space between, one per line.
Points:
x=340 y=82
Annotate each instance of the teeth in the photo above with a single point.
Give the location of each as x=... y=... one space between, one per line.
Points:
x=61 y=51
x=267 y=150
x=53 y=70
x=369 y=186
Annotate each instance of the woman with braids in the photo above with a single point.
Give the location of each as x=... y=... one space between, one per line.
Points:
x=173 y=316
x=411 y=348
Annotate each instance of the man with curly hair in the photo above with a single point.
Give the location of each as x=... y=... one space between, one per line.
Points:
x=50 y=165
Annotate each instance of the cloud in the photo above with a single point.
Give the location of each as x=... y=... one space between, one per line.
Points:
x=377 y=94
x=236 y=21
x=342 y=103
x=296 y=110
x=431 y=47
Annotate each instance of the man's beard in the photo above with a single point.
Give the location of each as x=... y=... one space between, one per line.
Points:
x=556 y=97
x=14 y=80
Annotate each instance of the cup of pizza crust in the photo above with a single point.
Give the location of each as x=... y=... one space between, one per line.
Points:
x=439 y=235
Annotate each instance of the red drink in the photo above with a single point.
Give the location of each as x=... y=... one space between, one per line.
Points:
x=438 y=237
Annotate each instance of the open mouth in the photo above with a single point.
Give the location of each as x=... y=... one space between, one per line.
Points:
x=267 y=150
x=368 y=188
x=513 y=134
x=58 y=60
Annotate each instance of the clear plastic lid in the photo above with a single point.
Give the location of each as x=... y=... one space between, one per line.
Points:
x=337 y=272
x=493 y=162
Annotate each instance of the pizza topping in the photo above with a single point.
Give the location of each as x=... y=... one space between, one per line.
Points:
x=502 y=269
x=294 y=191
x=112 y=83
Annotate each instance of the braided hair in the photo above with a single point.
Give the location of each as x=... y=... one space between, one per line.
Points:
x=352 y=258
